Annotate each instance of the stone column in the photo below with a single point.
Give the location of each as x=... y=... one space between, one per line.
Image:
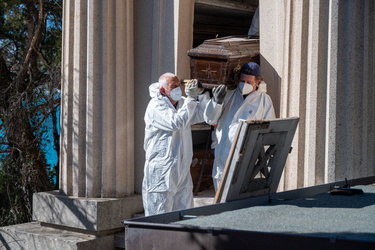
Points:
x=318 y=59
x=97 y=129
x=97 y=120
x=163 y=32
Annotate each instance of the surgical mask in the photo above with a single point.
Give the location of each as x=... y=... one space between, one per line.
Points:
x=176 y=94
x=245 y=88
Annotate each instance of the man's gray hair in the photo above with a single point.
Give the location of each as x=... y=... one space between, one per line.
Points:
x=163 y=82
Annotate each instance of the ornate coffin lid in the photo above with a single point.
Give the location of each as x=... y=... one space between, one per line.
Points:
x=226 y=48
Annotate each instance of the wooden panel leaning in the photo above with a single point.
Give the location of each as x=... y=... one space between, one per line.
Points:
x=257 y=158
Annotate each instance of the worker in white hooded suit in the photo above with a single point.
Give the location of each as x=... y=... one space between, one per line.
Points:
x=167 y=184
x=224 y=111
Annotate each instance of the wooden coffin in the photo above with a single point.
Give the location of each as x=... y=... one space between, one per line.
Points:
x=218 y=61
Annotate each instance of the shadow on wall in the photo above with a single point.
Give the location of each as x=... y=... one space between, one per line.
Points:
x=273 y=81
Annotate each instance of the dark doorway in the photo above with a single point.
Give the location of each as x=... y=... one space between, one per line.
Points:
x=219 y=18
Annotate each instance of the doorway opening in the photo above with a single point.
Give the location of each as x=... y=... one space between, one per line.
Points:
x=214 y=19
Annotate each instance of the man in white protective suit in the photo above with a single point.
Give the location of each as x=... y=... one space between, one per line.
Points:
x=167 y=184
x=227 y=107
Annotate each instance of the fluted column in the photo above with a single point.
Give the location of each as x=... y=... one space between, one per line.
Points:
x=97 y=123
x=318 y=59
x=163 y=35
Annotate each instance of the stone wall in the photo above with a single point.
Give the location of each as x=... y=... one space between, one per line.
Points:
x=318 y=61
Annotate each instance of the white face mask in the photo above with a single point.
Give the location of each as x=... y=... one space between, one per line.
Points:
x=176 y=94
x=245 y=88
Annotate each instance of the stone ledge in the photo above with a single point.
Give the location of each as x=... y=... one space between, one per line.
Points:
x=34 y=236
x=92 y=214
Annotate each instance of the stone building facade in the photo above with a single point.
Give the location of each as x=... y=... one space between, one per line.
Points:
x=317 y=58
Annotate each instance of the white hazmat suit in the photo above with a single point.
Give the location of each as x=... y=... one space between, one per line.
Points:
x=225 y=117
x=167 y=184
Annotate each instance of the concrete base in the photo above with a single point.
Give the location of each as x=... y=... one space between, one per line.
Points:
x=65 y=223
x=97 y=216
x=34 y=236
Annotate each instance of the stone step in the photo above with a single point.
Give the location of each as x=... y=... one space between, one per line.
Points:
x=35 y=236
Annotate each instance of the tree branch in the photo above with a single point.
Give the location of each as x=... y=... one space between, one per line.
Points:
x=37 y=33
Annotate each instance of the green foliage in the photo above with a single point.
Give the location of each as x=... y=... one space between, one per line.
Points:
x=15 y=207
x=30 y=54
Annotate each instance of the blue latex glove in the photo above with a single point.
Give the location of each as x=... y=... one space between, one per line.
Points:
x=219 y=93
